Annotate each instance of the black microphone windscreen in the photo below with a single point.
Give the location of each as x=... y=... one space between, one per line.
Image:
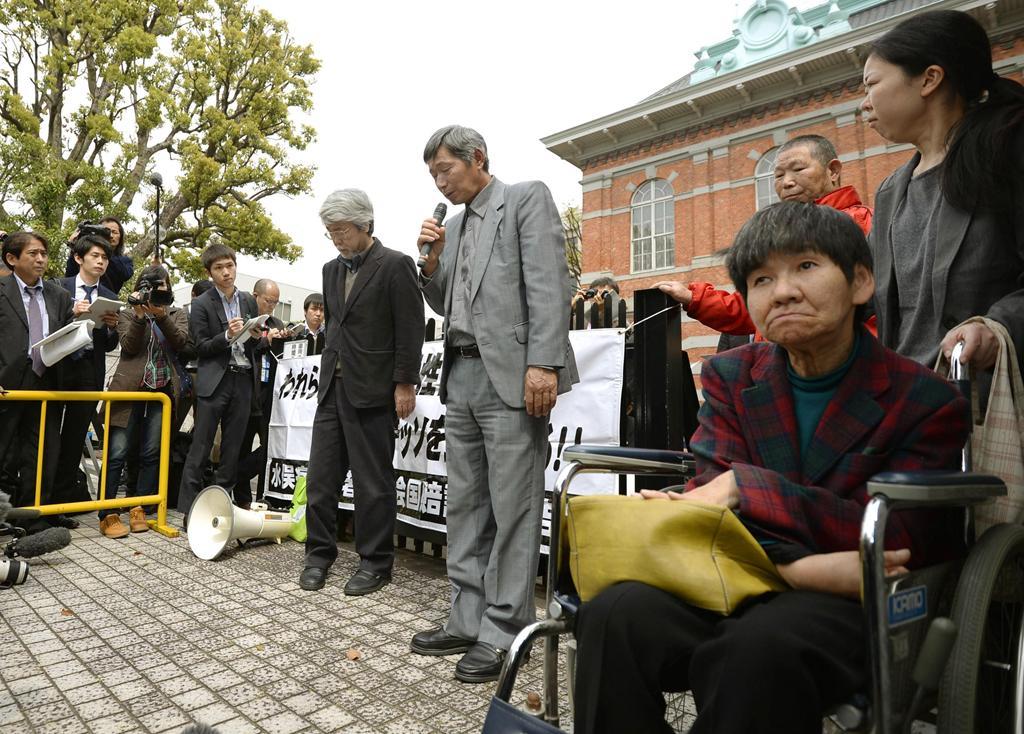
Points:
x=47 y=541
x=20 y=514
x=5 y=505
x=439 y=211
x=156 y=179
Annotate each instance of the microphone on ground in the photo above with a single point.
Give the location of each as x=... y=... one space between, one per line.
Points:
x=439 y=211
x=47 y=541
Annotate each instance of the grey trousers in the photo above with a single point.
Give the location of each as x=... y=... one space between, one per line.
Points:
x=495 y=457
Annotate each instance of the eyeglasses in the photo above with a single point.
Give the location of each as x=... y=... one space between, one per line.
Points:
x=338 y=232
x=268 y=301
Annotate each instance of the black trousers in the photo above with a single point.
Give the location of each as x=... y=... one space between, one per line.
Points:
x=363 y=440
x=228 y=407
x=254 y=461
x=775 y=665
x=78 y=374
x=19 y=442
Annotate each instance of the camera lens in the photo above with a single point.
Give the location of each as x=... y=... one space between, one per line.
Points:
x=12 y=572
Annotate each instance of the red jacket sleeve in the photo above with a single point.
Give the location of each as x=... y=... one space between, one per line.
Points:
x=862 y=216
x=721 y=310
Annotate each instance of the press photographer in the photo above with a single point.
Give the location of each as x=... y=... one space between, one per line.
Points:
x=85 y=369
x=121 y=267
x=152 y=333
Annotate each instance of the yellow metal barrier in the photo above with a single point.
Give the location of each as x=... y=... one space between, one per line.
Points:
x=159 y=499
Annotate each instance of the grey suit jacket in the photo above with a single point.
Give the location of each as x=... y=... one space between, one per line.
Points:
x=978 y=268
x=519 y=292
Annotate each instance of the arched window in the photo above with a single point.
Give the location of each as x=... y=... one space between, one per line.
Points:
x=654 y=225
x=764 y=179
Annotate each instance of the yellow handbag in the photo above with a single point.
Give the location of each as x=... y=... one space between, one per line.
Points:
x=701 y=553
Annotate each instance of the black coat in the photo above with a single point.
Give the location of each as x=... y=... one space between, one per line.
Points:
x=104 y=339
x=209 y=324
x=378 y=333
x=14 y=344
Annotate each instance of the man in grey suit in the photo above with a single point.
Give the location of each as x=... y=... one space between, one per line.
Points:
x=502 y=286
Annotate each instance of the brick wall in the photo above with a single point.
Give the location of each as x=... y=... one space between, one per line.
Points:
x=706 y=222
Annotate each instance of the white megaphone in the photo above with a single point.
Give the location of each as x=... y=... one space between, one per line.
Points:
x=214 y=522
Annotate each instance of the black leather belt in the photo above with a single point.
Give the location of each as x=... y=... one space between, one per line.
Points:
x=239 y=368
x=471 y=351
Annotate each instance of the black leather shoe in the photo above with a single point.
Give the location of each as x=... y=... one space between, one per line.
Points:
x=438 y=642
x=481 y=664
x=312 y=578
x=63 y=521
x=365 y=582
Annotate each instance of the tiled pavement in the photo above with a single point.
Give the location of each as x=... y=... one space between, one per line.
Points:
x=138 y=635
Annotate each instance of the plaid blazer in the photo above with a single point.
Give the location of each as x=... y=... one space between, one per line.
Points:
x=888 y=414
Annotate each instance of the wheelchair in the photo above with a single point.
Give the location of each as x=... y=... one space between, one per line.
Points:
x=947 y=638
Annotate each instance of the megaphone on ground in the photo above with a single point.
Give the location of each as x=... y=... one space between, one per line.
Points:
x=214 y=522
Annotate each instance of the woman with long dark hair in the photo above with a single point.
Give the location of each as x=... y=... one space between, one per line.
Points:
x=948 y=232
x=120 y=268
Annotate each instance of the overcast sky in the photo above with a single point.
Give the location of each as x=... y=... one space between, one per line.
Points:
x=393 y=72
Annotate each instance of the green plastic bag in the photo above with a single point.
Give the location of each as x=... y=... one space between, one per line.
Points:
x=298 y=511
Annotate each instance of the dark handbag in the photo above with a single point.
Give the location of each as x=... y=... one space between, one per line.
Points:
x=504 y=718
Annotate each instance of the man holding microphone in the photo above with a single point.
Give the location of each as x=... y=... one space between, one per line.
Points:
x=497 y=272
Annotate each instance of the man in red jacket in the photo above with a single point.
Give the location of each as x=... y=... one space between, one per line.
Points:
x=807 y=169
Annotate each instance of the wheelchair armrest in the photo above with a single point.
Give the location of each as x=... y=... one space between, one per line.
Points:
x=936 y=488
x=623 y=458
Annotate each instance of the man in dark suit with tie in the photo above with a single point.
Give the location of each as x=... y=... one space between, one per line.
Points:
x=254 y=461
x=86 y=368
x=224 y=376
x=368 y=374
x=30 y=309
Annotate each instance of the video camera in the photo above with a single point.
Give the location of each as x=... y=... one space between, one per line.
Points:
x=150 y=294
x=90 y=229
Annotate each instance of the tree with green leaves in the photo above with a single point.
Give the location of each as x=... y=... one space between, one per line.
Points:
x=94 y=94
x=572 y=226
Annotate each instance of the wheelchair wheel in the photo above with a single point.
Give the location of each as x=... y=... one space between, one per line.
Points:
x=984 y=679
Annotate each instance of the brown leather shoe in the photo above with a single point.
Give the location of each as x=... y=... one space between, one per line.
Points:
x=137 y=520
x=112 y=527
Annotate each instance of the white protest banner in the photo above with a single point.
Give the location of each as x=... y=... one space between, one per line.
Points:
x=589 y=413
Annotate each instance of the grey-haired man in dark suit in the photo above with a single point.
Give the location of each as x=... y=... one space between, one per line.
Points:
x=368 y=375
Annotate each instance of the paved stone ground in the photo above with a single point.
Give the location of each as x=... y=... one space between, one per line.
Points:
x=138 y=635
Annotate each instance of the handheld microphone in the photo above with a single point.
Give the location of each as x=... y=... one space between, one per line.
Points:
x=47 y=541
x=439 y=211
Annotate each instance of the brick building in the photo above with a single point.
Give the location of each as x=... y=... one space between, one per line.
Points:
x=668 y=182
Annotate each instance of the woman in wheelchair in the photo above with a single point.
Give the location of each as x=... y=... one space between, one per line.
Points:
x=790 y=431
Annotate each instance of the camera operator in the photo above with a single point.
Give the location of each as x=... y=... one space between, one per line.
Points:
x=120 y=268
x=152 y=333
x=601 y=291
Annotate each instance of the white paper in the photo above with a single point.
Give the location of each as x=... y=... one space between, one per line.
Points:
x=100 y=307
x=256 y=322
x=66 y=340
x=295 y=349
